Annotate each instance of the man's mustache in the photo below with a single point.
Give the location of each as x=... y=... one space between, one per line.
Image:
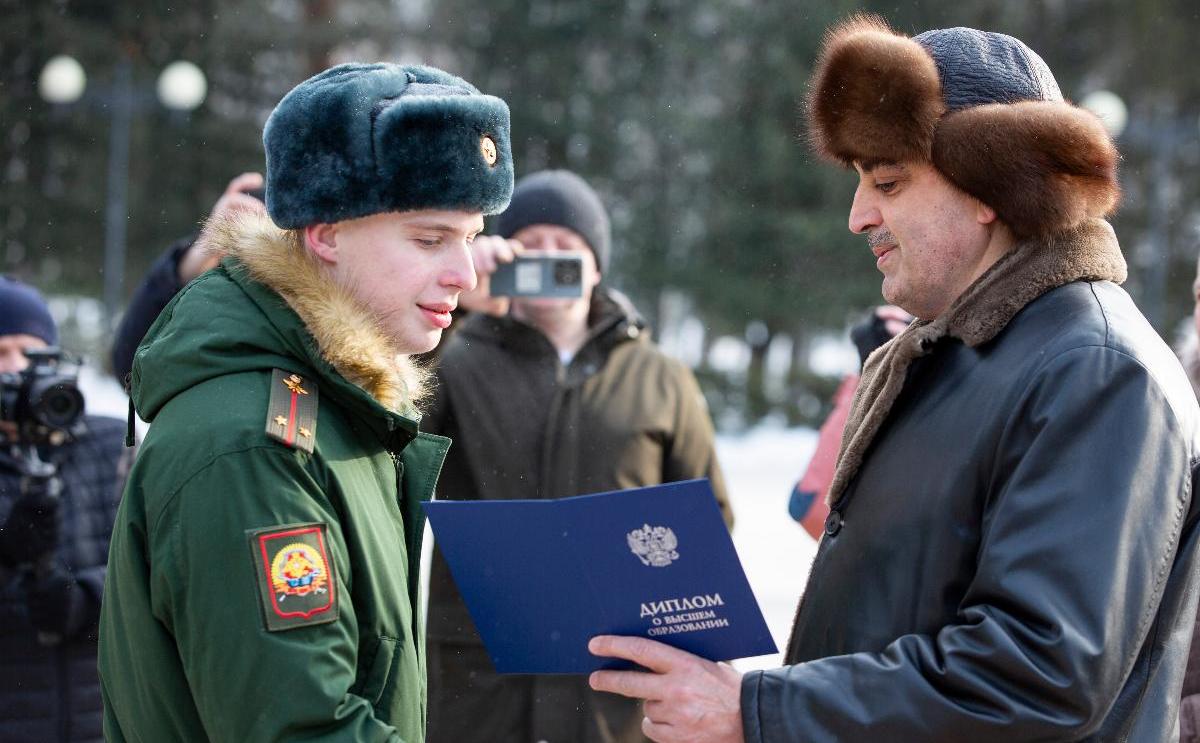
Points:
x=881 y=236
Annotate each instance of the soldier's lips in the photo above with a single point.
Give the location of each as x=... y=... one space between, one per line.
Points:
x=438 y=315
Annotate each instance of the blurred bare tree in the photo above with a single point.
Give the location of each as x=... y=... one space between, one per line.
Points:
x=684 y=113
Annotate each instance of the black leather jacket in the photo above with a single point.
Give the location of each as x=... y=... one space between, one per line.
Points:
x=1016 y=558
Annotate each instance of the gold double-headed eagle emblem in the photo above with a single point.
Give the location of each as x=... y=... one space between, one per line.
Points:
x=293 y=384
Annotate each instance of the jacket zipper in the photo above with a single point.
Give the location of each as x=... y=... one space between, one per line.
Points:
x=413 y=550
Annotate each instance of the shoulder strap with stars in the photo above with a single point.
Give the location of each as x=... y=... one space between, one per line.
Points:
x=292 y=410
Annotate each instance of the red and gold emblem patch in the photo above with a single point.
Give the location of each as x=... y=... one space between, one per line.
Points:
x=296 y=580
x=298 y=570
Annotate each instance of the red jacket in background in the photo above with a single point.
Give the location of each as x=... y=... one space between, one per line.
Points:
x=807 y=504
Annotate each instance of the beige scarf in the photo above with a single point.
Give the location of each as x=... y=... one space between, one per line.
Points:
x=1089 y=252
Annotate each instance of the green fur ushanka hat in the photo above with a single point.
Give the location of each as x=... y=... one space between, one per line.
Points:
x=360 y=139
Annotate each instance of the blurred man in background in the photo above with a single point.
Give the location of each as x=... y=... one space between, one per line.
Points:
x=183 y=260
x=1188 y=345
x=808 y=502
x=546 y=398
x=59 y=488
x=1189 y=708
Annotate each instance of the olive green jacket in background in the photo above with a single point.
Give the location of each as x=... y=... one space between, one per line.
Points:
x=620 y=414
x=186 y=653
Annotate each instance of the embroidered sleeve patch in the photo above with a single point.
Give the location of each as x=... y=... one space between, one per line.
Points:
x=295 y=578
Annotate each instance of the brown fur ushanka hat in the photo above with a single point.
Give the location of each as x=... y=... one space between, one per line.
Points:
x=982 y=107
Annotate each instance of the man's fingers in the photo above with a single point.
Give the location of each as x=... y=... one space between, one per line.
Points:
x=504 y=251
x=244 y=202
x=484 y=265
x=895 y=320
x=659 y=732
x=483 y=254
x=508 y=250
x=647 y=653
x=245 y=181
x=633 y=684
x=892 y=312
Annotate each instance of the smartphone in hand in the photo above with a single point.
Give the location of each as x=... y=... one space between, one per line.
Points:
x=553 y=276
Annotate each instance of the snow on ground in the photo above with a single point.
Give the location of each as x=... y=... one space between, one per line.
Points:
x=102 y=393
x=760 y=468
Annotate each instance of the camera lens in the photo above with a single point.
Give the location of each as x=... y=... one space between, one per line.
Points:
x=567 y=273
x=57 y=405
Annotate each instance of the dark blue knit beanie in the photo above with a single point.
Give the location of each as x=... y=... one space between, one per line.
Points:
x=980 y=67
x=563 y=199
x=24 y=312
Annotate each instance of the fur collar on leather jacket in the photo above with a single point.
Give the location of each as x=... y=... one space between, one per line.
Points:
x=1089 y=252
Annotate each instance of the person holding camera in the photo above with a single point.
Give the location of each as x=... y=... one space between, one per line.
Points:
x=806 y=503
x=264 y=569
x=182 y=261
x=545 y=397
x=61 y=474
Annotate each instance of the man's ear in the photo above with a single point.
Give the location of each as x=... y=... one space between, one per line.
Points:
x=984 y=214
x=321 y=240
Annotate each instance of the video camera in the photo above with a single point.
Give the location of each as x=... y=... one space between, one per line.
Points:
x=44 y=400
x=43 y=403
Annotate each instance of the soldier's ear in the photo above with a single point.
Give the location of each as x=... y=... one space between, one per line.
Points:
x=321 y=240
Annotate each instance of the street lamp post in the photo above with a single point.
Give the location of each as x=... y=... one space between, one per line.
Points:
x=116 y=212
x=181 y=87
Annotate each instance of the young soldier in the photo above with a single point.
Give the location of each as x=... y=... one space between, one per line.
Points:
x=262 y=580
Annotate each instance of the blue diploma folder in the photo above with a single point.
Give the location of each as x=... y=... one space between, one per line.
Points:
x=542 y=577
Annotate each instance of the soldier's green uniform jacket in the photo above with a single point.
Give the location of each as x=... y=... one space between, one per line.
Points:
x=257 y=590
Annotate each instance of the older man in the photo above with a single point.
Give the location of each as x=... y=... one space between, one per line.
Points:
x=1011 y=548
x=263 y=574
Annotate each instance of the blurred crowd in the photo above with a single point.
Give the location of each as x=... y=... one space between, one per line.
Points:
x=250 y=570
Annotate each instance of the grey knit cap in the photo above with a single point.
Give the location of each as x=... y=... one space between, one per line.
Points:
x=563 y=199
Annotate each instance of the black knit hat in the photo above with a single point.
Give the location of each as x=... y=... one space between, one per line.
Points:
x=24 y=312
x=563 y=199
